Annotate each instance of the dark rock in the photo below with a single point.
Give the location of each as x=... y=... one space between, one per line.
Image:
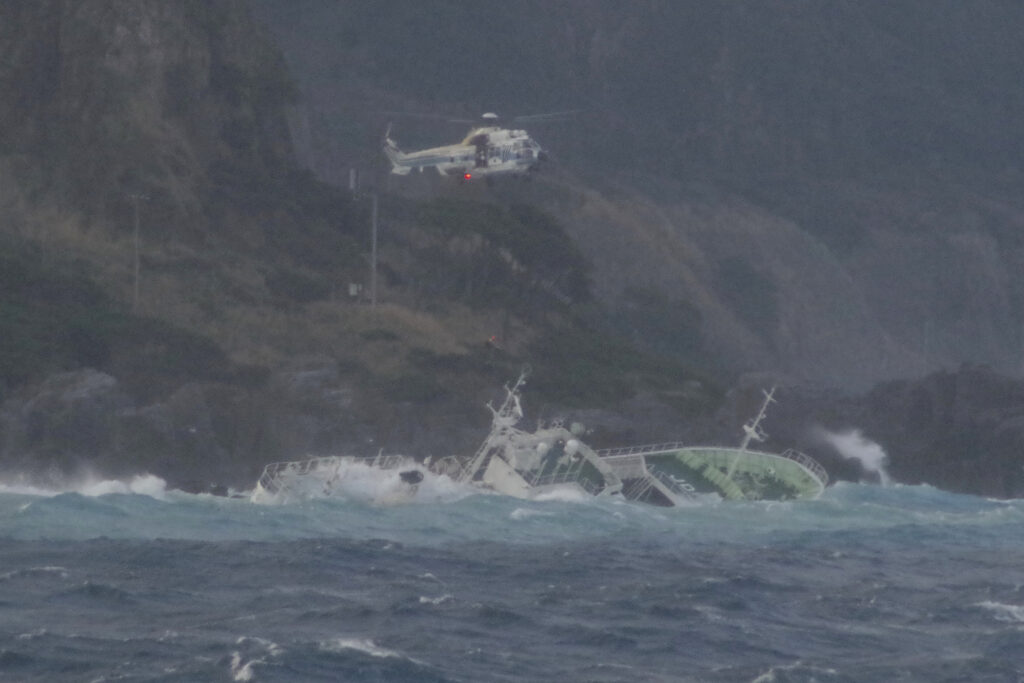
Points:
x=68 y=420
x=960 y=431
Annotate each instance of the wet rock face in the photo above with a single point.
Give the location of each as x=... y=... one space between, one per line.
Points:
x=959 y=431
x=71 y=417
x=84 y=420
x=200 y=435
x=118 y=95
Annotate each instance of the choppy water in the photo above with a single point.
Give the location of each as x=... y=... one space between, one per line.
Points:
x=132 y=582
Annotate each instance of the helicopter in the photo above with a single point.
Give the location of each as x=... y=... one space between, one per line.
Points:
x=487 y=150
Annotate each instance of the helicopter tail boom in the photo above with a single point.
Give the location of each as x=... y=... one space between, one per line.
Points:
x=395 y=155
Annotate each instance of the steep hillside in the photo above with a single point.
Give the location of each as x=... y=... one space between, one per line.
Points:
x=181 y=297
x=119 y=97
x=828 y=190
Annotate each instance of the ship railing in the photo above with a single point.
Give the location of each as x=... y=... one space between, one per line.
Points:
x=807 y=463
x=638 y=489
x=630 y=466
x=571 y=473
x=452 y=467
x=639 y=450
x=624 y=453
x=567 y=477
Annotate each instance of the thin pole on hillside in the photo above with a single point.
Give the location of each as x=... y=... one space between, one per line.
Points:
x=136 y=197
x=373 y=253
x=354 y=180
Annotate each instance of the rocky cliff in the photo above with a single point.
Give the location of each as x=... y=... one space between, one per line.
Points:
x=821 y=194
x=179 y=296
x=138 y=97
x=958 y=430
x=828 y=190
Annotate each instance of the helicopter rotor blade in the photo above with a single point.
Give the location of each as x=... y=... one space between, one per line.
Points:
x=489 y=117
x=428 y=117
x=548 y=116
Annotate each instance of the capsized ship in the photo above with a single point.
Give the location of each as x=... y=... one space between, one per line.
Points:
x=732 y=473
x=525 y=464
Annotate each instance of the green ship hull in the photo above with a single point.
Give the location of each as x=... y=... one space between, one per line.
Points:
x=737 y=474
x=672 y=471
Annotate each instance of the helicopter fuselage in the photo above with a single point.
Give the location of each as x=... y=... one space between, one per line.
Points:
x=485 y=151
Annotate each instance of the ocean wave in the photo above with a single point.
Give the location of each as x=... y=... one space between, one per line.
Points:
x=1004 y=612
x=257 y=650
x=34 y=573
x=441 y=513
x=88 y=485
x=364 y=645
x=360 y=482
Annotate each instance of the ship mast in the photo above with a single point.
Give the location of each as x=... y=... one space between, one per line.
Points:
x=752 y=430
x=503 y=420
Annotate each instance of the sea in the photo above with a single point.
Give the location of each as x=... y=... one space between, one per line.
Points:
x=133 y=581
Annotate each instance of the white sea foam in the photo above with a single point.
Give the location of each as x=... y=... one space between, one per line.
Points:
x=87 y=485
x=424 y=600
x=565 y=494
x=1004 y=612
x=358 y=481
x=243 y=671
x=38 y=633
x=360 y=644
x=269 y=646
x=853 y=445
x=142 y=484
x=60 y=572
x=17 y=487
x=525 y=513
x=788 y=670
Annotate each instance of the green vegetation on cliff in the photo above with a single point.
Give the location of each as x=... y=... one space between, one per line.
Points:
x=55 y=318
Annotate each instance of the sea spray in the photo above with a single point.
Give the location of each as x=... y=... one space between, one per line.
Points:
x=141 y=484
x=86 y=483
x=853 y=445
x=345 y=479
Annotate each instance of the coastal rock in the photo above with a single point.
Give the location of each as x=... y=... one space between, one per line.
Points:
x=68 y=420
x=960 y=431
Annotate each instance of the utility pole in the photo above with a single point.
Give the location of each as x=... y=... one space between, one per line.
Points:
x=135 y=197
x=373 y=253
x=354 y=177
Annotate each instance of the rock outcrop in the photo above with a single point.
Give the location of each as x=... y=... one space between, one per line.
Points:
x=151 y=97
x=959 y=431
x=203 y=433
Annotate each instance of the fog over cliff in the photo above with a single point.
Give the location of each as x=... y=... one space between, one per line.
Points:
x=823 y=196
x=827 y=190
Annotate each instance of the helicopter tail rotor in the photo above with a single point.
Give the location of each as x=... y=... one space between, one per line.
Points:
x=394 y=154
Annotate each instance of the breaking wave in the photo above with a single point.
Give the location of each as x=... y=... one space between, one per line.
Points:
x=853 y=445
x=357 y=481
x=130 y=580
x=87 y=485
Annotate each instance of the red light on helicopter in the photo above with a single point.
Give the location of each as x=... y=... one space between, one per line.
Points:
x=468 y=176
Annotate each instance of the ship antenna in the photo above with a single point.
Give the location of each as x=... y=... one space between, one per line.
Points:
x=752 y=430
